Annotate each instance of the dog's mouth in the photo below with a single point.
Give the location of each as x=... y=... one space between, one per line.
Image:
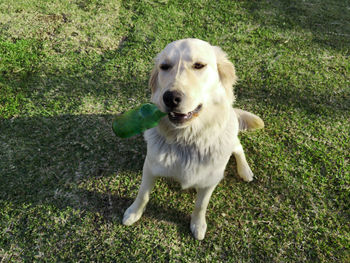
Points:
x=179 y=118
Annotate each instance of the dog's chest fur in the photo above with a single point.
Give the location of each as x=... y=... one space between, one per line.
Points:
x=191 y=164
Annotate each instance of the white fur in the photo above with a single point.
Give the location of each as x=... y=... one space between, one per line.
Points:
x=196 y=152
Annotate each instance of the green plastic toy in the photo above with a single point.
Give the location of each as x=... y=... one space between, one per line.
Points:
x=137 y=120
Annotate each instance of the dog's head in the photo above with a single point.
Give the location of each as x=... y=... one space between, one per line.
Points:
x=189 y=77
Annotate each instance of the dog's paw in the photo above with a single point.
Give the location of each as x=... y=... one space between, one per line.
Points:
x=245 y=173
x=198 y=229
x=131 y=216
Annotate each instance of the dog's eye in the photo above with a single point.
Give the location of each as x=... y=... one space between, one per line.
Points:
x=165 y=66
x=198 y=65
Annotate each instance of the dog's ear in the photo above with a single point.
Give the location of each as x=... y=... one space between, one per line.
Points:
x=152 y=83
x=227 y=72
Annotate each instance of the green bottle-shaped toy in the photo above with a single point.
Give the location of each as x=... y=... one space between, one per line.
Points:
x=137 y=120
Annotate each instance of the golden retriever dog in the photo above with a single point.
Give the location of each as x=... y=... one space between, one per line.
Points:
x=192 y=81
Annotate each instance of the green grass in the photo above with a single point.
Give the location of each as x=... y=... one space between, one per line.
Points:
x=66 y=67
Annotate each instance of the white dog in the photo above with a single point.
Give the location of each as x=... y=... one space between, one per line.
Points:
x=192 y=81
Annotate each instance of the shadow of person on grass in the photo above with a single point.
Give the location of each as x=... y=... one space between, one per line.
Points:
x=75 y=161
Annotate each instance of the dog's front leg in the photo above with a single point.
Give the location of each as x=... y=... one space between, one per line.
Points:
x=198 y=223
x=243 y=168
x=134 y=212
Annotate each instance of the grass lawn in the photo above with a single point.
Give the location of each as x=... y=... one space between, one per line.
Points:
x=67 y=67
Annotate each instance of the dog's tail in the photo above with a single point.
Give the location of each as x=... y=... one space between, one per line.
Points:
x=248 y=121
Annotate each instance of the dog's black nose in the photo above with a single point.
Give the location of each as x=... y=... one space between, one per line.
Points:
x=172 y=99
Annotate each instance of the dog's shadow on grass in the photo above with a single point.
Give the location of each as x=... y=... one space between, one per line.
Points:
x=76 y=161
x=111 y=206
